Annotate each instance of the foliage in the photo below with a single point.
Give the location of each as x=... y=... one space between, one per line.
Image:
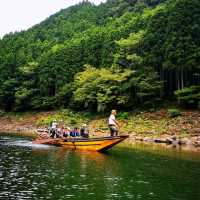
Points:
x=189 y=96
x=101 y=87
x=142 y=51
x=64 y=116
x=174 y=112
x=199 y=105
x=122 y=115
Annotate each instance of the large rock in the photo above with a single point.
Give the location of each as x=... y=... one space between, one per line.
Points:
x=195 y=131
x=197 y=143
x=148 y=139
x=139 y=138
x=160 y=140
x=185 y=141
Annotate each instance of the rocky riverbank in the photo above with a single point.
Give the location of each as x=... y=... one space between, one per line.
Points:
x=173 y=141
x=147 y=127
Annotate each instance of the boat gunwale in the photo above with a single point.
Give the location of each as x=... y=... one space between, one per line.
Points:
x=95 y=139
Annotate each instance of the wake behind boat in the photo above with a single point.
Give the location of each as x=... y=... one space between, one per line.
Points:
x=90 y=144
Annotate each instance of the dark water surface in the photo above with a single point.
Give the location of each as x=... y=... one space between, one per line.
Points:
x=42 y=172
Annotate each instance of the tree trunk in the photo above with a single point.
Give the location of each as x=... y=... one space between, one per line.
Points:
x=182 y=78
x=178 y=79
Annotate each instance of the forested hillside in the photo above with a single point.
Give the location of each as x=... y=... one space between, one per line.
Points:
x=122 y=54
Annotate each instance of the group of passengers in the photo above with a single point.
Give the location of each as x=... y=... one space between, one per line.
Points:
x=57 y=132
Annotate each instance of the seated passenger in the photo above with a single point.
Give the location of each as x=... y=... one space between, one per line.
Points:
x=74 y=132
x=84 y=131
x=66 y=131
x=59 y=133
x=53 y=129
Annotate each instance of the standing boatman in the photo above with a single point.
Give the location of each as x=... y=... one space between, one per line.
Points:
x=113 y=124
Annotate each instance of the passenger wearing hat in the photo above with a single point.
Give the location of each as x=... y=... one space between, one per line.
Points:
x=84 y=131
x=53 y=129
x=66 y=131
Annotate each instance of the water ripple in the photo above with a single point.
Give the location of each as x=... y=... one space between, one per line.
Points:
x=30 y=171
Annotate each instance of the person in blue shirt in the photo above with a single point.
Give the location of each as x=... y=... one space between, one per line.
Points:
x=75 y=132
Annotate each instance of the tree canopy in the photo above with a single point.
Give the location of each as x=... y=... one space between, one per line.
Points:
x=122 y=53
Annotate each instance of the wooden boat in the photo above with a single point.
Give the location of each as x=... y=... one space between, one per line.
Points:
x=90 y=144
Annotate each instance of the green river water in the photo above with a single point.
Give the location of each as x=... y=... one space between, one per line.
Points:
x=37 y=172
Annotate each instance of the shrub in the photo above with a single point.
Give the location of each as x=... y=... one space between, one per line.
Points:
x=122 y=115
x=174 y=112
x=189 y=96
x=2 y=113
x=44 y=103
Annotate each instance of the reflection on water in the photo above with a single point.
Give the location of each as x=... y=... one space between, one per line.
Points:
x=44 y=172
x=180 y=151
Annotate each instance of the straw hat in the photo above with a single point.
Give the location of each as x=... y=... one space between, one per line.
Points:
x=113 y=111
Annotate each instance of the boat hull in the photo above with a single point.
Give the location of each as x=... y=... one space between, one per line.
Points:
x=89 y=144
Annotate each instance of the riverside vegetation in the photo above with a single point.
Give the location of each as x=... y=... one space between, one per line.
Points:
x=122 y=54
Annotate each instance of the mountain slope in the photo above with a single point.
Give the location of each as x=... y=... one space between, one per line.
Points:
x=38 y=65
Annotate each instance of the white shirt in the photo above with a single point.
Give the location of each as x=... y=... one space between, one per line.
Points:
x=54 y=125
x=111 y=120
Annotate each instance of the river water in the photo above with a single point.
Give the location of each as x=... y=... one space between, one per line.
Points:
x=37 y=172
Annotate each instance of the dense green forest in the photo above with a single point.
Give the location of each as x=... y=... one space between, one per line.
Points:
x=120 y=54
